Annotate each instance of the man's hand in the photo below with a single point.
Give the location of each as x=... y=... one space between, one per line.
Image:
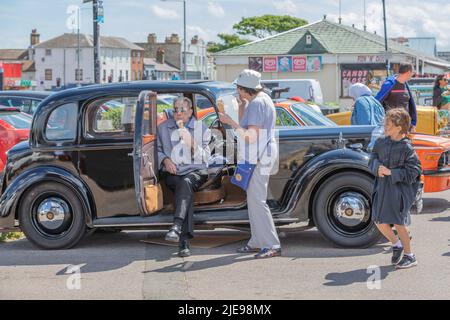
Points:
x=383 y=172
x=170 y=166
x=413 y=129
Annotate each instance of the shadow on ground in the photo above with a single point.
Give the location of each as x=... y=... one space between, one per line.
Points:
x=106 y=252
x=356 y=276
x=435 y=205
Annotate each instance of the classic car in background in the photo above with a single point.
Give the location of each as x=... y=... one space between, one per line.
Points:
x=433 y=150
x=56 y=187
x=24 y=100
x=430 y=120
x=14 y=128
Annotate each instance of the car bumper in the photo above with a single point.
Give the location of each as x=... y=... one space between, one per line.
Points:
x=418 y=204
x=437 y=181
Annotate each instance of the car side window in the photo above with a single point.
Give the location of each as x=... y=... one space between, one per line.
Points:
x=285 y=119
x=62 y=123
x=111 y=118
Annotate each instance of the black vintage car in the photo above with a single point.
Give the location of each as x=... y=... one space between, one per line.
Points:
x=91 y=154
x=25 y=100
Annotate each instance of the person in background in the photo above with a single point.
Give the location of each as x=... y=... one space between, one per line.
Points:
x=395 y=93
x=397 y=169
x=441 y=94
x=367 y=109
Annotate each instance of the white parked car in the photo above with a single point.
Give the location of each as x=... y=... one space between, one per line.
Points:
x=308 y=89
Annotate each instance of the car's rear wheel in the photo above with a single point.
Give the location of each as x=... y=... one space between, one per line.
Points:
x=342 y=210
x=52 y=216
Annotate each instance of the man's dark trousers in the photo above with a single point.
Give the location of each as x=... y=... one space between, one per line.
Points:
x=184 y=187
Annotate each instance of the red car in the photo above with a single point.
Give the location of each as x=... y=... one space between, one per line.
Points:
x=14 y=128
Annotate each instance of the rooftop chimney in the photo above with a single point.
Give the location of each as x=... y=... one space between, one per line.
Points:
x=160 y=56
x=34 y=37
x=194 y=40
x=173 y=39
x=151 y=39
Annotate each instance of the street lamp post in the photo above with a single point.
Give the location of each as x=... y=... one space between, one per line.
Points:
x=386 y=39
x=96 y=5
x=185 y=36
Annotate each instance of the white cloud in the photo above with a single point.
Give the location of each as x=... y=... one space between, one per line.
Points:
x=215 y=9
x=164 y=13
x=286 y=6
x=407 y=18
x=206 y=35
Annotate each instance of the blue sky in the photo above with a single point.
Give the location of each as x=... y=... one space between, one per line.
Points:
x=135 y=19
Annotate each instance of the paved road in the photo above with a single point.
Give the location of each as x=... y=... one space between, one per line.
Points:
x=120 y=266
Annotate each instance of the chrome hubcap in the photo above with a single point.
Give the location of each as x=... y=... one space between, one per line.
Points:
x=351 y=209
x=52 y=212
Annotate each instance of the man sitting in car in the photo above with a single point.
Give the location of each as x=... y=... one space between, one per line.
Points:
x=183 y=154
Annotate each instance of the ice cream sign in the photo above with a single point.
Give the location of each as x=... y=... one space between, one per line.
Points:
x=270 y=64
x=288 y=64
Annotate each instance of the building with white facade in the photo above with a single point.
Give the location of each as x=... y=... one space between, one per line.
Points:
x=58 y=63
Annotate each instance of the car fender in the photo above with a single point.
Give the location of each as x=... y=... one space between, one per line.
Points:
x=297 y=201
x=9 y=200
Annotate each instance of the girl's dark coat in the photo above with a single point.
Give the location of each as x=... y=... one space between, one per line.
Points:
x=394 y=195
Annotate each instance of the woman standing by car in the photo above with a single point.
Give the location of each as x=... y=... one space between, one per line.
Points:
x=257 y=122
x=441 y=94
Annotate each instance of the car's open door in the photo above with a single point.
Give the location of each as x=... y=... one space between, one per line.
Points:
x=145 y=148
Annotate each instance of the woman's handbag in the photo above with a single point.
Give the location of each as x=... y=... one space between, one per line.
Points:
x=243 y=174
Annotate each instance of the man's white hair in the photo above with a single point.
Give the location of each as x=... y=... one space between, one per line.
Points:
x=183 y=101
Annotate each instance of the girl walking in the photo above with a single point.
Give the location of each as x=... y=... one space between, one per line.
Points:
x=397 y=169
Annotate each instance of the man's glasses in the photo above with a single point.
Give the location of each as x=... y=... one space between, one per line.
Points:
x=180 y=109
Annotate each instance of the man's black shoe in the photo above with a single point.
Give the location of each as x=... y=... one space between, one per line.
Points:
x=396 y=255
x=174 y=234
x=184 y=249
x=407 y=262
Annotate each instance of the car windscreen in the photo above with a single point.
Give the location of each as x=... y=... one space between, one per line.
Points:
x=16 y=119
x=311 y=117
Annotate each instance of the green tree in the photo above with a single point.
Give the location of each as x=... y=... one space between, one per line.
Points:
x=227 y=41
x=267 y=25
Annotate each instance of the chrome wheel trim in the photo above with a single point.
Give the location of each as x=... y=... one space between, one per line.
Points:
x=52 y=213
x=351 y=209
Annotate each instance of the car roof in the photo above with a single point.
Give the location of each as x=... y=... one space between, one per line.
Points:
x=26 y=93
x=216 y=88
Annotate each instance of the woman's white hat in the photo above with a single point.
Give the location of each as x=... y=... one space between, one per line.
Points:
x=249 y=79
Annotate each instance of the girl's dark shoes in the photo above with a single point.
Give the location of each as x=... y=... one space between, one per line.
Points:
x=396 y=255
x=174 y=234
x=184 y=249
x=407 y=262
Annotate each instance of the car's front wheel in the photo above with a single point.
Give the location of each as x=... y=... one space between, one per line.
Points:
x=342 y=210
x=52 y=216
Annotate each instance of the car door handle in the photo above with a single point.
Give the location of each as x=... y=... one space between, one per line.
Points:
x=135 y=153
